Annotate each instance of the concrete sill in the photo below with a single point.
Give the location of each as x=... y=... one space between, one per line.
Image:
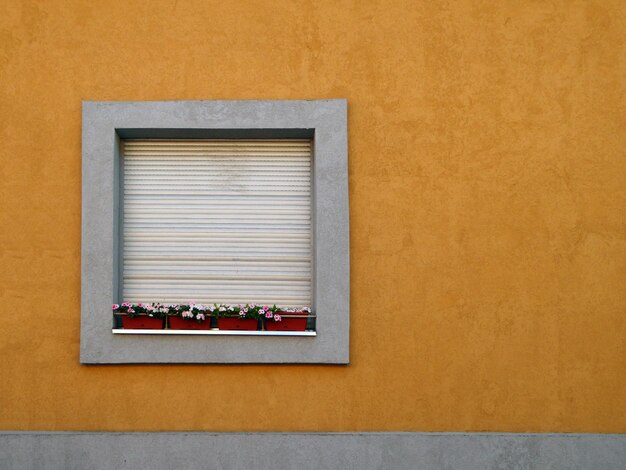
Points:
x=213 y=332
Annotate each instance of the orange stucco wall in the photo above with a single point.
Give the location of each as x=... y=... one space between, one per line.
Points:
x=488 y=202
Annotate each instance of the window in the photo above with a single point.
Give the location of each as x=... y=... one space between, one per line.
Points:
x=217 y=221
x=108 y=246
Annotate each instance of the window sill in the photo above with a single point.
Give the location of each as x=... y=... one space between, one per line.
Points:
x=121 y=331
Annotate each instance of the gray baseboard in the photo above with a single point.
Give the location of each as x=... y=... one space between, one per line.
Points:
x=200 y=450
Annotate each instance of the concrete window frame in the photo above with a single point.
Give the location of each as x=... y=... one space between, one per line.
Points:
x=104 y=123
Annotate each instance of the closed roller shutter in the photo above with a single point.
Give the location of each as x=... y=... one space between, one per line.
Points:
x=217 y=221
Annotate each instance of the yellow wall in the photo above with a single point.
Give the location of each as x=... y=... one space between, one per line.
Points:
x=488 y=202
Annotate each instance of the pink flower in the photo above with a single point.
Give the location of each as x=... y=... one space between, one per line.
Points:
x=277 y=317
x=126 y=304
x=130 y=310
x=200 y=316
x=115 y=306
x=268 y=314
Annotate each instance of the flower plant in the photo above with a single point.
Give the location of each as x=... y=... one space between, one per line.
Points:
x=248 y=311
x=277 y=317
x=200 y=312
x=155 y=310
x=191 y=312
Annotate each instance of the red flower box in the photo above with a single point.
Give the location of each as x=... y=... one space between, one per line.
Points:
x=142 y=322
x=232 y=323
x=287 y=324
x=179 y=323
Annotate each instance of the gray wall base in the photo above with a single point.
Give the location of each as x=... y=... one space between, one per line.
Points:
x=69 y=450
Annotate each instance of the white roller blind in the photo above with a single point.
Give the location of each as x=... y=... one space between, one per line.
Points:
x=217 y=221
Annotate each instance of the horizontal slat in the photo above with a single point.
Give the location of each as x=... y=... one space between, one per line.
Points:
x=214 y=266
x=216 y=269
x=219 y=178
x=276 y=192
x=197 y=292
x=243 y=247
x=208 y=224
x=252 y=149
x=213 y=288
x=212 y=143
x=219 y=225
x=194 y=287
x=232 y=142
x=182 y=271
x=232 y=213
x=235 y=253
x=254 y=234
x=238 y=253
x=208 y=216
x=178 y=271
x=285 y=301
x=202 y=238
x=244 y=282
x=234 y=186
x=227 y=200
x=179 y=167
x=205 y=181
x=226 y=267
x=219 y=235
x=223 y=143
x=224 y=155
x=216 y=162
x=275 y=259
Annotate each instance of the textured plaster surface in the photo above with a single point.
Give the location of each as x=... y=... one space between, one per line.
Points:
x=103 y=122
x=362 y=451
x=487 y=202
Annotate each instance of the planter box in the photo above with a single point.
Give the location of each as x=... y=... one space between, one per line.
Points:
x=233 y=323
x=287 y=324
x=179 y=323
x=142 y=322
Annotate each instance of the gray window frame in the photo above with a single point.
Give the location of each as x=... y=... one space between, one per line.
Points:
x=105 y=123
